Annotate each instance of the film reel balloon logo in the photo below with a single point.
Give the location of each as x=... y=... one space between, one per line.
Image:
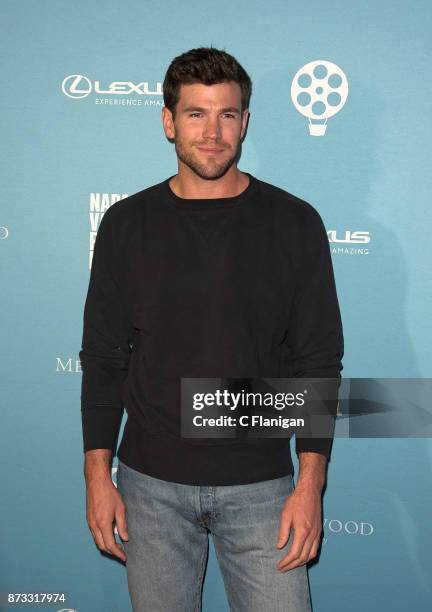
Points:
x=318 y=91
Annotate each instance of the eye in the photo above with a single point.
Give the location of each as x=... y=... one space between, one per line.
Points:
x=229 y=115
x=195 y=114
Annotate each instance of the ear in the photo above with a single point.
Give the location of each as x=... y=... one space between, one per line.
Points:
x=245 y=120
x=168 y=123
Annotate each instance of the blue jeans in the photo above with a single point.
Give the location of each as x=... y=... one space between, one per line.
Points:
x=168 y=526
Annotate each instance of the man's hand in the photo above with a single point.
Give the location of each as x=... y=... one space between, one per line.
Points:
x=302 y=512
x=104 y=505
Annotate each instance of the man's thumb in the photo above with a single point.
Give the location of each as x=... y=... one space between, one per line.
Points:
x=121 y=526
x=283 y=534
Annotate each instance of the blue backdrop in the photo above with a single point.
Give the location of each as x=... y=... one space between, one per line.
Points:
x=81 y=111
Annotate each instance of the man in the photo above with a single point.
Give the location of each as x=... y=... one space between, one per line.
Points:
x=211 y=273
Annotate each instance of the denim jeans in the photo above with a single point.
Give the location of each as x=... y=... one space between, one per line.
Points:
x=167 y=551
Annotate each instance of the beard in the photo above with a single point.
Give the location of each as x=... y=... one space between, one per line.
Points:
x=210 y=170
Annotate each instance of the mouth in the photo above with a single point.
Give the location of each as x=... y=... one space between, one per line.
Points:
x=210 y=150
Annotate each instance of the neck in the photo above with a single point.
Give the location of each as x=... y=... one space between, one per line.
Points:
x=187 y=184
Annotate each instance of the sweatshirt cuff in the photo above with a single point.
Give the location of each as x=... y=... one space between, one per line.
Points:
x=100 y=427
x=314 y=445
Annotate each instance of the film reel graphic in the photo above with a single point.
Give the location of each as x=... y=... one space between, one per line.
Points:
x=319 y=90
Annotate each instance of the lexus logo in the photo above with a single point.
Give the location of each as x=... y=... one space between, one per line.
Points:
x=78 y=86
x=71 y=84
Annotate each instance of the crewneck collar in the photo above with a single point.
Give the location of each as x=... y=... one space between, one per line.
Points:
x=211 y=202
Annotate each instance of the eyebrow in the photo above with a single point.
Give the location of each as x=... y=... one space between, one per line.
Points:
x=226 y=109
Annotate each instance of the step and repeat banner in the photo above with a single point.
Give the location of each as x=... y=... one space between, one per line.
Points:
x=340 y=117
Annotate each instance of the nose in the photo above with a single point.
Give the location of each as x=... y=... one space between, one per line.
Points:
x=212 y=128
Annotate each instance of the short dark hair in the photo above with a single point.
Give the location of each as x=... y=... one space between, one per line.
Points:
x=205 y=65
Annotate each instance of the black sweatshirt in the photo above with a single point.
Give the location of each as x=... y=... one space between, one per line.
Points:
x=230 y=287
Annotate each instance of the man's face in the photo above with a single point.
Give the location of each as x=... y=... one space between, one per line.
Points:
x=208 y=127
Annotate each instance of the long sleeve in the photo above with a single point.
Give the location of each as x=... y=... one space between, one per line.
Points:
x=105 y=351
x=315 y=329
